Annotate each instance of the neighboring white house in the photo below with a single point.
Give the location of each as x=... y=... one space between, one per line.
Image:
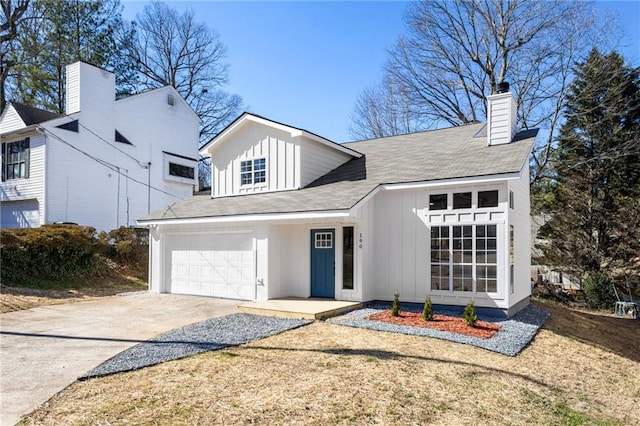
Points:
x=104 y=163
x=442 y=213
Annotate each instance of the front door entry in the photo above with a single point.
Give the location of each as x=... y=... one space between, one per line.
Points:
x=323 y=263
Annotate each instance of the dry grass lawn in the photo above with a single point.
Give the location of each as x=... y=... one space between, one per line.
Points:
x=80 y=290
x=582 y=368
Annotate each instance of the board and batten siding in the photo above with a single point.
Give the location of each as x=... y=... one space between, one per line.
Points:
x=520 y=218
x=32 y=187
x=402 y=262
x=254 y=141
x=318 y=160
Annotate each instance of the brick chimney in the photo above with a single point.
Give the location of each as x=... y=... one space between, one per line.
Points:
x=501 y=116
x=89 y=88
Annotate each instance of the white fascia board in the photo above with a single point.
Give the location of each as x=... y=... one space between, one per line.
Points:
x=328 y=143
x=248 y=218
x=452 y=182
x=32 y=129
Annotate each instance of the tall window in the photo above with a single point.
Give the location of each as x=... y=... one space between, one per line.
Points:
x=15 y=160
x=486 y=258
x=253 y=171
x=511 y=260
x=347 y=257
x=464 y=258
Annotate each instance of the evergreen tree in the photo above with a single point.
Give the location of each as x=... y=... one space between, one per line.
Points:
x=56 y=33
x=594 y=198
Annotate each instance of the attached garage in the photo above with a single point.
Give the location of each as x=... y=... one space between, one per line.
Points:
x=20 y=214
x=215 y=264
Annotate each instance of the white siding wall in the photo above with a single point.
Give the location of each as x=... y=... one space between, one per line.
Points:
x=10 y=120
x=402 y=261
x=520 y=218
x=281 y=151
x=318 y=159
x=33 y=187
x=501 y=118
x=88 y=192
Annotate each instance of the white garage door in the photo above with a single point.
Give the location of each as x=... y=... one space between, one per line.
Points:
x=20 y=214
x=218 y=265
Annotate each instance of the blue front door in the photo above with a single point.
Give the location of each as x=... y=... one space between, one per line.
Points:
x=323 y=261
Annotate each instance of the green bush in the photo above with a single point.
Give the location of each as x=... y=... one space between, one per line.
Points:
x=427 y=311
x=64 y=251
x=469 y=314
x=598 y=290
x=51 y=251
x=395 y=306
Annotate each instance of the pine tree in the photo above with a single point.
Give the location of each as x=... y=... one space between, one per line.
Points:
x=594 y=198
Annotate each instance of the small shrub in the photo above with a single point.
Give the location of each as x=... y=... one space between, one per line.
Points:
x=598 y=290
x=469 y=314
x=395 y=307
x=427 y=311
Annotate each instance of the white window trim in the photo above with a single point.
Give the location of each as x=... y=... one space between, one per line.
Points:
x=168 y=158
x=253 y=184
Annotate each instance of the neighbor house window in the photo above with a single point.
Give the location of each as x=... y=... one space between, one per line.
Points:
x=464 y=258
x=511 y=201
x=438 y=202
x=15 y=160
x=462 y=200
x=253 y=171
x=487 y=198
x=181 y=171
x=347 y=257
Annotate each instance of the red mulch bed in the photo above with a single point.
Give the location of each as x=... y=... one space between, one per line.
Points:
x=482 y=329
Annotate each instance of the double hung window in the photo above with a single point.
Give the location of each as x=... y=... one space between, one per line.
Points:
x=15 y=160
x=253 y=171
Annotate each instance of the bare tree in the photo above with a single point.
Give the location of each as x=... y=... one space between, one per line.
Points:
x=175 y=49
x=455 y=53
x=12 y=14
x=383 y=110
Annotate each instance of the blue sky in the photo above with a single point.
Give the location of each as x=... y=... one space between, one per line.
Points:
x=304 y=63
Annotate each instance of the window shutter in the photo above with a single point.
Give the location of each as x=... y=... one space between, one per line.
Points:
x=27 y=157
x=4 y=161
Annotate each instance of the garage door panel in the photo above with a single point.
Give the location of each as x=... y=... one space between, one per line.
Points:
x=219 y=265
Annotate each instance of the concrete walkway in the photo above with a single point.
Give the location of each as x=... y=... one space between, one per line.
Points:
x=45 y=349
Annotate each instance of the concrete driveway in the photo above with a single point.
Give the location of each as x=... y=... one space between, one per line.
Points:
x=45 y=349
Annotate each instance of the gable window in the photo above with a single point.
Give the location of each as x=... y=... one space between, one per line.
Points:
x=253 y=171
x=15 y=160
x=438 y=202
x=488 y=198
x=180 y=170
x=462 y=200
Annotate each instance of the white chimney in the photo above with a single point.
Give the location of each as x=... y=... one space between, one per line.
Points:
x=501 y=116
x=89 y=88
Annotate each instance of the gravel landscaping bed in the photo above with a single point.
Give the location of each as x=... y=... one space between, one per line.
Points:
x=512 y=337
x=213 y=334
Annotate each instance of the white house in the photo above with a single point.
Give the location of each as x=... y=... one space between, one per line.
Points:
x=442 y=213
x=104 y=163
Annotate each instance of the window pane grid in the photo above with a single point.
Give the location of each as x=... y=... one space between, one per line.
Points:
x=253 y=171
x=324 y=240
x=15 y=159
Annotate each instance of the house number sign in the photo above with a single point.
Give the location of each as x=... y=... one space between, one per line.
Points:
x=360 y=241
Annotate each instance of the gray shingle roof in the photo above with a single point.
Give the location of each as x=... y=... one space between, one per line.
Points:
x=417 y=157
x=31 y=115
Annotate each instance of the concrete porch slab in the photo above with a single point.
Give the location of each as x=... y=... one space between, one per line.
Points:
x=293 y=307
